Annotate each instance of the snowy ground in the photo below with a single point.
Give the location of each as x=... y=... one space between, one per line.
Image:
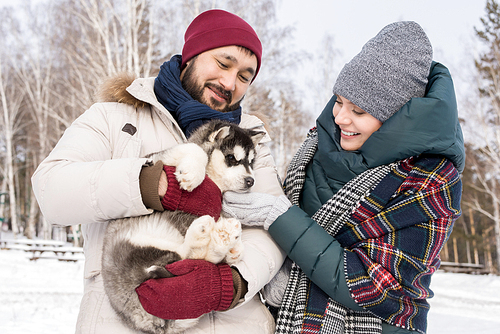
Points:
x=43 y=297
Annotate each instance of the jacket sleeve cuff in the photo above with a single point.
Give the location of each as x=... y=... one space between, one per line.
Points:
x=239 y=288
x=149 y=179
x=288 y=227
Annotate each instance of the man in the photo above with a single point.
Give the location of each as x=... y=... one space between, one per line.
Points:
x=97 y=172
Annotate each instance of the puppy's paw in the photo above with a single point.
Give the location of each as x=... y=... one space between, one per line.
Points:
x=199 y=233
x=190 y=173
x=233 y=227
x=191 y=168
x=189 y=161
x=235 y=254
x=197 y=238
x=226 y=240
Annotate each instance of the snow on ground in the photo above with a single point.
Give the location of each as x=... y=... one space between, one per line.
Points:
x=43 y=297
x=464 y=304
x=38 y=297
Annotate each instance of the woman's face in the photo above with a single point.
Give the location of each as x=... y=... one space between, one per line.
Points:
x=356 y=125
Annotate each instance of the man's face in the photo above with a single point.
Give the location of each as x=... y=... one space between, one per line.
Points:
x=220 y=77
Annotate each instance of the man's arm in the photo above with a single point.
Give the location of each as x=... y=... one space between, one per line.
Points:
x=79 y=183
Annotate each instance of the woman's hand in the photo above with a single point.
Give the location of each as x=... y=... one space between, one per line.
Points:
x=254 y=209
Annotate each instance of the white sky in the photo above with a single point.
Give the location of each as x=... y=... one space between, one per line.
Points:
x=449 y=25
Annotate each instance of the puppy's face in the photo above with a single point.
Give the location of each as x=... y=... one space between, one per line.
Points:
x=231 y=168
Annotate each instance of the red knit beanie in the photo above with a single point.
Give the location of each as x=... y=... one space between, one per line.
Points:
x=217 y=28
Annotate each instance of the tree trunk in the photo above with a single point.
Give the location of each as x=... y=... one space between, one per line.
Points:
x=473 y=233
x=9 y=156
x=455 y=250
x=33 y=217
x=496 y=222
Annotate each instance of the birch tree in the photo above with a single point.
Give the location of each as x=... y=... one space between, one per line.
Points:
x=36 y=77
x=11 y=98
x=484 y=197
x=484 y=118
x=100 y=39
x=291 y=127
x=326 y=74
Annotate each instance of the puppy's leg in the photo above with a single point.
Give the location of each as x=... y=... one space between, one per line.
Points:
x=225 y=242
x=197 y=238
x=190 y=162
x=235 y=253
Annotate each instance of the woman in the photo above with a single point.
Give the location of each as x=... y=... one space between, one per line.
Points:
x=373 y=193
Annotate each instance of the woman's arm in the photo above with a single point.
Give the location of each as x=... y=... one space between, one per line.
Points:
x=316 y=252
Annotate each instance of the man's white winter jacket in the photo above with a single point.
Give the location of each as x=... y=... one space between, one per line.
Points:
x=92 y=176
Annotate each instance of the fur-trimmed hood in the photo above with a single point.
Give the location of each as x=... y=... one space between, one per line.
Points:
x=114 y=89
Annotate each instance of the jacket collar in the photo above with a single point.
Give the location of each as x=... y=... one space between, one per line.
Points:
x=427 y=125
x=143 y=90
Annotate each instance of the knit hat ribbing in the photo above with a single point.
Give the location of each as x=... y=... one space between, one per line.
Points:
x=217 y=28
x=391 y=69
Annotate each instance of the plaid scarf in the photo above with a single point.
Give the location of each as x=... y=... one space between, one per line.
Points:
x=389 y=278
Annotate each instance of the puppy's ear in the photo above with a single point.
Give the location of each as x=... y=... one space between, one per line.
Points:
x=220 y=134
x=257 y=136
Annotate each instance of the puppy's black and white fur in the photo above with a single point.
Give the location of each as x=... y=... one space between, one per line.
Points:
x=138 y=248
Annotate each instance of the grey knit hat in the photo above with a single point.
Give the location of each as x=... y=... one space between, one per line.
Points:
x=391 y=69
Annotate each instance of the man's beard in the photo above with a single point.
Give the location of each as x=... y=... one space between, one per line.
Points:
x=191 y=86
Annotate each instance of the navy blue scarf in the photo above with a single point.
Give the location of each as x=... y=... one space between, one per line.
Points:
x=188 y=112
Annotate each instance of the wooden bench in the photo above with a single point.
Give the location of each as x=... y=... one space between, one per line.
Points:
x=44 y=249
x=10 y=243
x=54 y=257
x=468 y=268
x=59 y=253
x=15 y=247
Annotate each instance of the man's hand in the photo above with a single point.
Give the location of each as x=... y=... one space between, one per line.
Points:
x=163 y=184
x=206 y=199
x=198 y=287
x=255 y=209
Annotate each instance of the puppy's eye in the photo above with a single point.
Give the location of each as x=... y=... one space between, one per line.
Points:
x=231 y=160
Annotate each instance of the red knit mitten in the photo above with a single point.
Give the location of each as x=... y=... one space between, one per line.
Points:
x=206 y=199
x=199 y=287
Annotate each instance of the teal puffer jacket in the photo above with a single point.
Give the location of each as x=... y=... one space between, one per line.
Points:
x=426 y=125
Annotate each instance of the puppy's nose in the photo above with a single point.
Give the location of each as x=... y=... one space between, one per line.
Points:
x=249 y=182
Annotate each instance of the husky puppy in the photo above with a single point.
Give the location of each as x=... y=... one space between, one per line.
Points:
x=138 y=248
